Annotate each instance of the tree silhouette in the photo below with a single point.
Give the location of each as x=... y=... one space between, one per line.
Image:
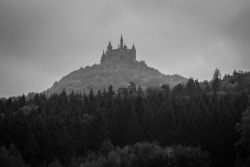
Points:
x=216 y=80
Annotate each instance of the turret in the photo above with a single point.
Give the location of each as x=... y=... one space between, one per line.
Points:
x=122 y=53
x=103 y=57
x=133 y=52
x=133 y=47
x=109 y=46
x=121 y=42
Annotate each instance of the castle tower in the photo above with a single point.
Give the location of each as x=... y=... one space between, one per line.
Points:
x=120 y=54
x=109 y=46
x=133 y=52
x=133 y=47
x=103 y=57
x=121 y=42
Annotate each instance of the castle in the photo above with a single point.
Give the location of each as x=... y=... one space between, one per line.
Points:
x=122 y=53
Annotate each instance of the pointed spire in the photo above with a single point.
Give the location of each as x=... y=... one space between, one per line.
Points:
x=109 y=48
x=133 y=47
x=121 y=42
x=109 y=44
x=103 y=56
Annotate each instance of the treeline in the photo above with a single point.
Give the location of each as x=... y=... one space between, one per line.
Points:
x=146 y=155
x=68 y=128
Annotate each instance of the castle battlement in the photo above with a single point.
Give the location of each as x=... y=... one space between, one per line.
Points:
x=122 y=53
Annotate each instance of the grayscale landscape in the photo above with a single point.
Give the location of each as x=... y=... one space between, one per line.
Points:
x=122 y=83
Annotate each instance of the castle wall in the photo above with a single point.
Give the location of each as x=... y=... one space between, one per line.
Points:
x=119 y=54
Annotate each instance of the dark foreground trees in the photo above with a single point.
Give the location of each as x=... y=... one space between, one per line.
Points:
x=243 y=145
x=11 y=157
x=65 y=129
x=216 y=81
x=149 y=155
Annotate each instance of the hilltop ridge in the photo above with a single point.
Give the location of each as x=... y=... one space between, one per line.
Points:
x=118 y=67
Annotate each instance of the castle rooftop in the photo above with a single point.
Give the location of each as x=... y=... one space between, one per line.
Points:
x=122 y=53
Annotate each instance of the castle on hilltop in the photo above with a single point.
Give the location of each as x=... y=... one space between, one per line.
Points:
x=122 y=53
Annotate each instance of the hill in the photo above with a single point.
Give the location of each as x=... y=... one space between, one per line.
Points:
x=118 y=68
x=116 y=73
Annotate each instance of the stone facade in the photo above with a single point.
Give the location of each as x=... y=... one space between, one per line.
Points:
x=122 y=53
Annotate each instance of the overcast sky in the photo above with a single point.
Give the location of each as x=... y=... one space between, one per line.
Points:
x=43 y=40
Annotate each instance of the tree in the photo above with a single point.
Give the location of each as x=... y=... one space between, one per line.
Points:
x=198 y=89
x=243 y=145
x=190 y=86
x=11 y=157
x=216 y=80
x=166 y=88
x=179 y=90
x=207 y=87
x=132 y=87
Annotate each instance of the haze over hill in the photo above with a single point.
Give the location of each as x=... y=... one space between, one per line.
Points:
x=118 y=68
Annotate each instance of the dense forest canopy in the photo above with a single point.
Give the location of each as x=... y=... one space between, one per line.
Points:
x=192 y=124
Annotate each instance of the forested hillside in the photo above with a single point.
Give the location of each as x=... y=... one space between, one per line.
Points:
x=118 y=74
x=188 y=125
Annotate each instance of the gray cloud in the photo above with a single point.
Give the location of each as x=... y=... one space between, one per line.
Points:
x=44 y=40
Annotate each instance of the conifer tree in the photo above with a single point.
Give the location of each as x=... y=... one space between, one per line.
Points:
x=216 y=80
